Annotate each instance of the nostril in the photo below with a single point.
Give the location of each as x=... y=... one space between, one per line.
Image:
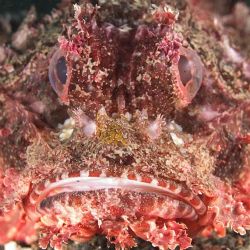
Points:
x=61 y=69
x=184 y=70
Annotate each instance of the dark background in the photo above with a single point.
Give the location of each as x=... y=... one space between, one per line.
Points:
x=42 y=6
x=45 y=6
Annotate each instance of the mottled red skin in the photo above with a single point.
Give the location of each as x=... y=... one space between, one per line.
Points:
x=135 y=75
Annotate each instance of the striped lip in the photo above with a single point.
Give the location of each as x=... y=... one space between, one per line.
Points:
x=85 y=181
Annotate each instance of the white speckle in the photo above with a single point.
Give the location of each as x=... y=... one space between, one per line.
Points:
x=177 y=140
x=232 y=54
x=154 y=182
x=241 y=230
x=161 y=235
x=152 y=225
x=138 y=78
x=10 y=246
x=128 y=116
x=174 y=126
x=65 y=175
x=84 y=173
x=77 y=9
x=66 y=134
x=90 y=129
x=152 y=129
x=155 y=128
x=99 y=222
x=67 y=129
x=183 y=150
x=102 y=111
x=124 y=28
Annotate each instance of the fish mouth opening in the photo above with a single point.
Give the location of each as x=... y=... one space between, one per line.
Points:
x=149 y=196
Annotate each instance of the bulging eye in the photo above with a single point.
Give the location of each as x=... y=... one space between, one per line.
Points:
x=61 y=69
x=188 y=73
x=184 y=70
x=59 y=75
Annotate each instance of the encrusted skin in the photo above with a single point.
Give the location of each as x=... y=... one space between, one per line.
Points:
x=147 y=135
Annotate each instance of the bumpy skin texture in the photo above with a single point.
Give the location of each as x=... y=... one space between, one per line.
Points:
x=155 y=142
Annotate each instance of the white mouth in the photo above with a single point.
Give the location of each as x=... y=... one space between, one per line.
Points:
x=85 y=183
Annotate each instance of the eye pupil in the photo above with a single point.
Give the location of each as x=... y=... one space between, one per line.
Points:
x=184 y=70
x=61 y=69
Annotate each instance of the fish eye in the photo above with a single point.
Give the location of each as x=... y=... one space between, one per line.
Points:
x=184 y=70
x=58 y=72
x=188 y=72
x=61 y=69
